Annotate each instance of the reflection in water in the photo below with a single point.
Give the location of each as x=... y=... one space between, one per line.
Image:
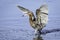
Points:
x=45 y=32
x=38 y=38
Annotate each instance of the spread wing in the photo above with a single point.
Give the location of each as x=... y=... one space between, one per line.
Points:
x=44 y=9
x=24 y=10
x=42 y=15
x=30 y=14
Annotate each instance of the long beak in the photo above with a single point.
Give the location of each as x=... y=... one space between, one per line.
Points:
x=25 y=14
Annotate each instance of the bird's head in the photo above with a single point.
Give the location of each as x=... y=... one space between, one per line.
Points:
x=29 y=14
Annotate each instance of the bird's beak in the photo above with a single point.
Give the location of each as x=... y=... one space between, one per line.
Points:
x=25 y=14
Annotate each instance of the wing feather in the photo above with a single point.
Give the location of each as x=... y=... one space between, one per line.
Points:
x=24 y=10
x=44 y=8
x=42 y=17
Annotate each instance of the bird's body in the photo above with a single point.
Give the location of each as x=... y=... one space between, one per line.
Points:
x=32 y=20
x=41 y=19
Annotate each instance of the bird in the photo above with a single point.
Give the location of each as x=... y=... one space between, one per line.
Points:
x=41 y=19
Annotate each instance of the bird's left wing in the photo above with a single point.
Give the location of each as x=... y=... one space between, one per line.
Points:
x=24 y=10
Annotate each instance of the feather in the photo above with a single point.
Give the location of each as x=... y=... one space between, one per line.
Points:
x=42 y=15
x=24 y=10
x=44 y=8
x=41 y=19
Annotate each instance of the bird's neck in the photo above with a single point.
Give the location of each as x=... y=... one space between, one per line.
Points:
x=32 y=18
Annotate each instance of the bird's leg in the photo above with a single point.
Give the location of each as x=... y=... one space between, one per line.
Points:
x=36 y=31
x=39 y=30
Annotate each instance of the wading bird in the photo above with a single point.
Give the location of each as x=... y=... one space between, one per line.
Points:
x=41 y=19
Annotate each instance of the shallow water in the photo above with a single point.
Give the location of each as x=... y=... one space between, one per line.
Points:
x=15 y=27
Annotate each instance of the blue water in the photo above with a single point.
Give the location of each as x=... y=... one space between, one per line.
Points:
x=13 y=26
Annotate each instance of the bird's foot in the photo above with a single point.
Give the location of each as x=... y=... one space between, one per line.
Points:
x=37 y=34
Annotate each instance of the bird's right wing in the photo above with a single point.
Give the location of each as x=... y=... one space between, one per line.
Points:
x=24 y=10
x=42 y=14
x=44 y=8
